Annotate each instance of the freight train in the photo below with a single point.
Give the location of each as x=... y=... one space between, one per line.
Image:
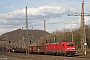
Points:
x=55 y=48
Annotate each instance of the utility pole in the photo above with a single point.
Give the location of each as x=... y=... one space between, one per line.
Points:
x=45 y=31
x=83 y=37
x=6 y=42
x=27 y=39
x=72 y=35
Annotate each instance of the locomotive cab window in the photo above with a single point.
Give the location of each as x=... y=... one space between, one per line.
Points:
x=70 y=44
x=63 y=44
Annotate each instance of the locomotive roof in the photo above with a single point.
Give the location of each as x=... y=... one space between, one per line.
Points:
x=59 y=42
x=55 y=43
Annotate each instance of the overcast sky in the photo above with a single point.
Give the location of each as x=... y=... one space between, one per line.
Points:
x=55 y=12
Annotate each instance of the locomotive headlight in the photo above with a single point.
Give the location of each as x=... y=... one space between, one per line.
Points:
x=73 y=48
x=67 y=48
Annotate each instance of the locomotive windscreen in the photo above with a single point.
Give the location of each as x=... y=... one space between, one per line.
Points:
x=70 y=44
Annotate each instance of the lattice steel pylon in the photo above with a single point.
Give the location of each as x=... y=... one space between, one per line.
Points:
x=83 y=37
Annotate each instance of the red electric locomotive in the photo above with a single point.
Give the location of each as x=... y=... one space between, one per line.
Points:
x=64 y=48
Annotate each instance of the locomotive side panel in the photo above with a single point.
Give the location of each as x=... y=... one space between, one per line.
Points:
x=54 y=48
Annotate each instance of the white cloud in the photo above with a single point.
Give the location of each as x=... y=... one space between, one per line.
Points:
x=11 y=6
x=87 y=20
x=47 y=10
x=2 y=31
x=16 y=18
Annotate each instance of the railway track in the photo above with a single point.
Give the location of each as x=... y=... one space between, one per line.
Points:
x=41 y=57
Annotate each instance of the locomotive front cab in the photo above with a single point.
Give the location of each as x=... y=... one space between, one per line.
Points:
x=69 y=48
